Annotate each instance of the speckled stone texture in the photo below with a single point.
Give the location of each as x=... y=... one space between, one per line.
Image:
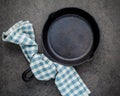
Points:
x=102 y=74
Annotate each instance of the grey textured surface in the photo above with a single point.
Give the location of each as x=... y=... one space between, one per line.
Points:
x=102 y=75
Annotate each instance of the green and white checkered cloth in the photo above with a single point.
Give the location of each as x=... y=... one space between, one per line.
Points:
x=66 y=78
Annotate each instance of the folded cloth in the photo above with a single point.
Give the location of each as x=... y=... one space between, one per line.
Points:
x=66 y=78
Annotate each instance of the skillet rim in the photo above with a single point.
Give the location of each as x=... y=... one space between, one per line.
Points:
x=94 y=26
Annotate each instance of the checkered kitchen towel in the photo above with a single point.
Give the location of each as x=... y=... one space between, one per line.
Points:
x=66 y=78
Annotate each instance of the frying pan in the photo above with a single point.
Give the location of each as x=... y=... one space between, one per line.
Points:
x=70 y=37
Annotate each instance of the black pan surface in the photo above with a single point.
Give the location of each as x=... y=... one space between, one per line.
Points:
x=70 y=36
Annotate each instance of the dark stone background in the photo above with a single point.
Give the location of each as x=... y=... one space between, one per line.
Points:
x=102 y=75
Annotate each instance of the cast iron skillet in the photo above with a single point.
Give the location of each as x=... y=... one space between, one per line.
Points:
x=70 y=37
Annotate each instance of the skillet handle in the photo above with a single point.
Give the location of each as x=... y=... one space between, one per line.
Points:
x=27 y=75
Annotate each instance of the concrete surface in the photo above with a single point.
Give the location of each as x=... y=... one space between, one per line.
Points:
x=102 y=75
